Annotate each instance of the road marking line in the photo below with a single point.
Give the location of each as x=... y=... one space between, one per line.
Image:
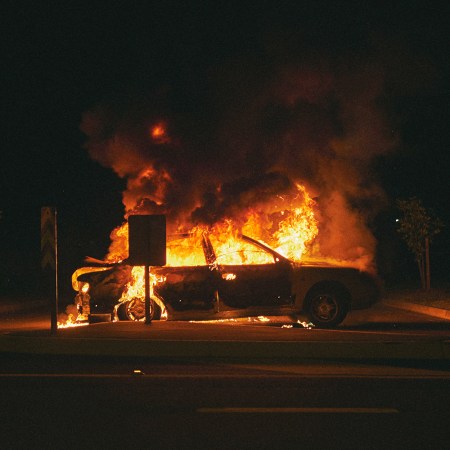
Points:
x=312 y=410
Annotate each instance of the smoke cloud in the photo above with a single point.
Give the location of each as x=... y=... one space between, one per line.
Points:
x=261 y=128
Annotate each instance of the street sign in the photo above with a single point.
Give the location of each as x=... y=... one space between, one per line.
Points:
x=147 y=247
x=48 y=238
x=147 y=240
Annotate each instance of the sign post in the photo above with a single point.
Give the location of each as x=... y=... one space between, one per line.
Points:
x=49 y=260
x=147 y=247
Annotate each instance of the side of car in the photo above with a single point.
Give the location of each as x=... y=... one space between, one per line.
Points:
x=255 y=280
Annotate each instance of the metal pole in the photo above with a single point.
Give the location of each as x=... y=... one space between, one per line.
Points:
x=427 y=263
x=49 y=262
x=54 y=309
x=148 y=319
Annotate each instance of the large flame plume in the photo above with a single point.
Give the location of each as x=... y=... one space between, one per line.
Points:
x=283 y=157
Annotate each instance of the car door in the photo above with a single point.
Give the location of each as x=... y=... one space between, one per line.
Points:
x=187 y=282
x=250 y=276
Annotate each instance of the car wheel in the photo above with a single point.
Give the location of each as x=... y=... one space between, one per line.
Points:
x=327 y=306
x=135 y=310
x=121 y=311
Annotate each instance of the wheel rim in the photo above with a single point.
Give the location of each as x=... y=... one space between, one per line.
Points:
x=136 y=310
x=325 y=308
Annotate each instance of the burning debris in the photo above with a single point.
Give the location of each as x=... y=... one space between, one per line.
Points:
x=72 y=317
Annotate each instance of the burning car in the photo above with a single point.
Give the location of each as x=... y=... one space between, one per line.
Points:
x=209 y=278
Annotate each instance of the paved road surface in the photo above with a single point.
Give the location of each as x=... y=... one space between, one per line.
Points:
x=90 y=401
x=137 y=403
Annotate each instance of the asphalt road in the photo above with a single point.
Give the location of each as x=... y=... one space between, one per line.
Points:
x=78 y=402
x=91 y=401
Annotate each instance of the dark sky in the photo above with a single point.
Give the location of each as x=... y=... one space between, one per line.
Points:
x=190 y=62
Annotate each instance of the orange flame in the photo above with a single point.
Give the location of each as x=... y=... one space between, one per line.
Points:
x=288 y=225
x=297 y=229
x=158 y=133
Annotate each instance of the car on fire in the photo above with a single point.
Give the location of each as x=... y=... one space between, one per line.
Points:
x=218 y=281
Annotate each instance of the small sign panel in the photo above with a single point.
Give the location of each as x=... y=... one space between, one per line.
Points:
x=147 y=240
x=48 y=238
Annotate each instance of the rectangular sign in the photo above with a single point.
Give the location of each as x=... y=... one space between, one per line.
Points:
x=48 y=238
x=147 y=240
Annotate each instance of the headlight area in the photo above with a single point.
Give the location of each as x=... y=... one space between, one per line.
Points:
x=82 y=301
x=77 y=314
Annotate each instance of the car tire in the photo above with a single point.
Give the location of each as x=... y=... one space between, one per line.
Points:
x=135 y=310
x=327 y=305
x=121 y=311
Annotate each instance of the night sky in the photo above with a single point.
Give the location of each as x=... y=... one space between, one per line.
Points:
x=231 y=79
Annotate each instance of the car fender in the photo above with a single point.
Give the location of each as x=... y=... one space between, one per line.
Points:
x=361 y=287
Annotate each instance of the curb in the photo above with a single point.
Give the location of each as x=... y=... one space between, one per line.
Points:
x=421 y=309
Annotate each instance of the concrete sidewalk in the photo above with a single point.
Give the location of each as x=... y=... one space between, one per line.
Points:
x=230 y=341
x=184 y=340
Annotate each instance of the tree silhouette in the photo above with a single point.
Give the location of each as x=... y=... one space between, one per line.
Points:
x=417 y=226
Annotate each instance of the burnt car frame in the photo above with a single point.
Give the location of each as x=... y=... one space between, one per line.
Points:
x=224 y=287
